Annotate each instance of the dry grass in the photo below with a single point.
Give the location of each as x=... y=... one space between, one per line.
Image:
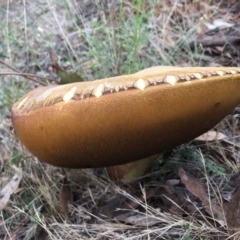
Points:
x=100 y=39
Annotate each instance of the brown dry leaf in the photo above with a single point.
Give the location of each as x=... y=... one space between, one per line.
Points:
x=10 y=188
x=211 y=136
x=109 y=210
x=43 y=235
x=236 y=179
x=54 y=58
x=219 y=48
x=135 y=217
x=170 y=199
x=192 y=184
x=197 y=189
x=66 y=196
x=138 y=219
x=233 y=213
x=122 y=210
x=4 y=155
x=174 y=198
x=64 y=76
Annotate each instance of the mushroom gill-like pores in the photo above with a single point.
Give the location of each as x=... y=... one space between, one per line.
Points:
x=119 y=120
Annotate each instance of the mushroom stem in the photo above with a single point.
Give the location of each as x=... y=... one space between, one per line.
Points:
x=130 y=172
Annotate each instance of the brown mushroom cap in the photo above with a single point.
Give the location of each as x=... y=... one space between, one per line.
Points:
x=123 y=119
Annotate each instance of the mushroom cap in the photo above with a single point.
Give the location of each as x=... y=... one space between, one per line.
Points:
x=126 y=118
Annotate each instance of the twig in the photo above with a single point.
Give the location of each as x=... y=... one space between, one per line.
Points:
x=14 y=69
x=27 y=75
x=213 y=43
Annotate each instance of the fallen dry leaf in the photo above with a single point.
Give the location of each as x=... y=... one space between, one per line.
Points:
x=124 y=210
x=197 y=189
x=4 y=155
x=43 y=235
x=137 y=218
x=66 y=196
x=219 y=23
x=233 y=213
x=170 y=199
x=211 y=136
x=64 y=76
x=10 y=188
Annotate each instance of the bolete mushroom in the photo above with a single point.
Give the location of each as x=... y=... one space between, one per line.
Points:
x=122 y=119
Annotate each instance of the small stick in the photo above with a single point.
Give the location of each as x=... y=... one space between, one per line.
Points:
x=27 y=75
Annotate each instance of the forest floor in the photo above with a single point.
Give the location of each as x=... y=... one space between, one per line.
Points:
x=99 y=39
